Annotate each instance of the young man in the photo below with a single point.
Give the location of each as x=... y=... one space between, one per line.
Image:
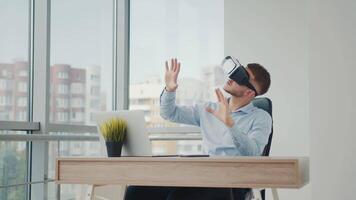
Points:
x=230 y=127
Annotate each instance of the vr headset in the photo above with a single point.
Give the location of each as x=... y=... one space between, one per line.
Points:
x=237 y=72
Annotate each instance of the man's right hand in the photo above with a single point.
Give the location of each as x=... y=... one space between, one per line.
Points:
x=172 y=75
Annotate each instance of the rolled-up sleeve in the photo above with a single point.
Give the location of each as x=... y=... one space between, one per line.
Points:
x=179 y=114
x=253 y=142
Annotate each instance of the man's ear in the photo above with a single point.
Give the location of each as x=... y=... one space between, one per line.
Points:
x=251 y=93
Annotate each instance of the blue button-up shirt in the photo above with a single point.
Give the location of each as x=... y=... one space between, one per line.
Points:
x=247 y=137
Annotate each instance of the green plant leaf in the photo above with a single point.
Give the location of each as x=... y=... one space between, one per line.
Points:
x=114 y=130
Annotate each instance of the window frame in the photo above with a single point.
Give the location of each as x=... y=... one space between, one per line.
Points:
x=38 y=125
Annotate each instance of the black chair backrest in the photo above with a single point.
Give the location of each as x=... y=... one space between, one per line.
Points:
x=266 y=105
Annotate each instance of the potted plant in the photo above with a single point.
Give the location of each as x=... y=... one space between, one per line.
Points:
x=114 y=131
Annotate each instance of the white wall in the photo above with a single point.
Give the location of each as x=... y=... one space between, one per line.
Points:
x=275 y=34
x=333 y=99
x=309 y=48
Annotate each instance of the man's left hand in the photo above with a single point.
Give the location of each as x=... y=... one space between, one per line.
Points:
x=223 y=112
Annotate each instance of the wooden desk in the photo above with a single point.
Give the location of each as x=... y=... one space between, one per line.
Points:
x=232 y=172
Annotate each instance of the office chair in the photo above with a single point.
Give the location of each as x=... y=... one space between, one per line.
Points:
x=266 y=105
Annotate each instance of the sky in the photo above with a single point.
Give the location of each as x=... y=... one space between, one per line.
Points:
x=81 y=35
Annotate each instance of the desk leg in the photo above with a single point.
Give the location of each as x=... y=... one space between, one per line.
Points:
x=275 y=194
x=257 y=194
x=108 y=192
x=92 y=195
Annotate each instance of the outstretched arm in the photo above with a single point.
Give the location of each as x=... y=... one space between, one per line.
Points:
x=168 y=109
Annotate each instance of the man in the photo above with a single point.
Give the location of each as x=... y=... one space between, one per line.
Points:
x=230 y=127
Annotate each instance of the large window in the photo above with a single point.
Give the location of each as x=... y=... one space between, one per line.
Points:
x=14 y=51
x=190 y=30
x=193 y=32
x=81 y=59
x=81 y=82
x=87 y=58
x=14 y=69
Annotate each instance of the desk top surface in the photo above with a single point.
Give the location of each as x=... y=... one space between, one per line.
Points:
x=235 y=172
x=188 y=159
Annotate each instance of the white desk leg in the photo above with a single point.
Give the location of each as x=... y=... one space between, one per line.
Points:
x=256 y=194
x=92 y=194
x=275 y=194
x=108 y=192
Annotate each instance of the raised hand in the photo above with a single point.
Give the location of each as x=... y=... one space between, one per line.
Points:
x=172 y=75
x=223 y=112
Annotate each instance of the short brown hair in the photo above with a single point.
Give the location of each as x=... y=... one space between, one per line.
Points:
x=262 y=77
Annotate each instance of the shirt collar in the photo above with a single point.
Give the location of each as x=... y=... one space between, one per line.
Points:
x=246 y=109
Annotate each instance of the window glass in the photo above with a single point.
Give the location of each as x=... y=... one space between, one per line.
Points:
x=13 y=168
x=192 y=31
x=14 y=51
x=81 y=59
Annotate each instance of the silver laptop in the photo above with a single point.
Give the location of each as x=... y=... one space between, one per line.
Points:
x=136 y=141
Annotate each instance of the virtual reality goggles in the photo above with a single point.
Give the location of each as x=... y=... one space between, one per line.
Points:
x=237 y=72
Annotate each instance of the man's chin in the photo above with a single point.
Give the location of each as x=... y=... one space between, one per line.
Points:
x=231 y=93
x=226 y=90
